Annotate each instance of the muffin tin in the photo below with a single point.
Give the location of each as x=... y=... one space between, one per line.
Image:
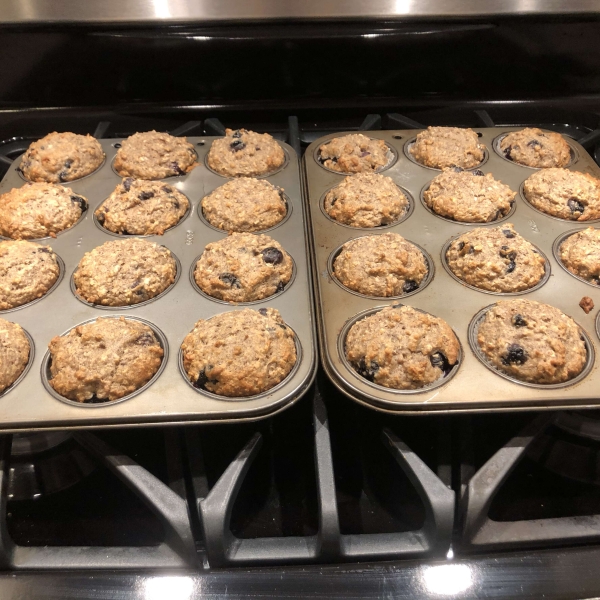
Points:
x=168 y=399
x=474 y=386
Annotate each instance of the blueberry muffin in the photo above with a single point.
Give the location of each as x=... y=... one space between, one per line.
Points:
x=140 y=207
x=154 y=155
x=366 y=200
x=564 y=194
x=27 y=272
x=39 y=210
x=245 y=204
x=354 y=153
x=402 y=348
x=240 y=353
x=532 y=342
x=496 y=259
x=60 y=157
x=580 y=254
x=243 y=268
x=380 y=265
x=441 y=147
x=14 y=353
x=468 y=196
x=245 y=153
x=124 y=272
x=104 y=360
x=533 y=147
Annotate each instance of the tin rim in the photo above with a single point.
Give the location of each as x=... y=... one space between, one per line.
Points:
x=63 y=183
x=558 y=242
x=234 y=303
x=496 y=146
x=129 y=307
x=162 y=340
x=598 y=324
x=539 y=284
x=264 y=394
x=547 y=215
x=508 y=215
x=341 y=344
x=472 y=335
x=426 y=280
x=409 y=143
x=407 y=212
x=169 y=177
x=288 y=213
x=61 y=274
x=27 y=367
x=284 y=164
x=392 y=157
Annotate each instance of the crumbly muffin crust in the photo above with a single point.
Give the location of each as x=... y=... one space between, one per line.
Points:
x=580 y=254
x=14 y=353
x=245 y=153
x=402 y=348
x=354 y=153
x=154 y=155
x=140 y=207
x=243 y=268
x=532 y=342
x=27 y=272
x=124 y=272
x=496 y=259
x=380 y=265
x=239 y=353
x=468 y=196
x=564 y=194
x=104 y=360
x=39 y=210
x=366 y=200
x=533 y=147
x=441 y=147
x=245 y=204
x=59 y=157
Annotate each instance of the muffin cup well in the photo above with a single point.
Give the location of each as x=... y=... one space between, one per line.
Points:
x=425 y=389
x=426 y=280
x=392 y=156
x=47 y=361
x=542 y=281
x=286 y=160
x=25 y=370
x=558 y=242
x=472 y=334
x=409 y=143
x=498 y=151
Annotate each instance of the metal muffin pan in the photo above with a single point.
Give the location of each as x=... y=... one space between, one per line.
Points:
x=168 y=399
x=474 y=387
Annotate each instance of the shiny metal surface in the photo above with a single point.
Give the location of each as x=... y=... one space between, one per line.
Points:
x=186 y=11
x=474 y=387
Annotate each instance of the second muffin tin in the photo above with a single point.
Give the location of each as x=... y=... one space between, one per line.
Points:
x=474 y=386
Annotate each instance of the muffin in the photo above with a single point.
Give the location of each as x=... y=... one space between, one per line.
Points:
x=124 y=272
x=154 y=155
x=366 y=200
x=441 y=147
x=468 y=196
x=564 y=194
x=533 y=147
x=245 y=153
x=354 y=153
x=27 y=272
x=60 y=157
x=580 y=254
x=104 y=360
x=139 y=207
x=39 y=210
x=496 y=259
x=243 y=268
x=245 y=204
x=14 y=353
x=240 y=353
x=402 y=348
x=380 y=265
x=532 y=342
